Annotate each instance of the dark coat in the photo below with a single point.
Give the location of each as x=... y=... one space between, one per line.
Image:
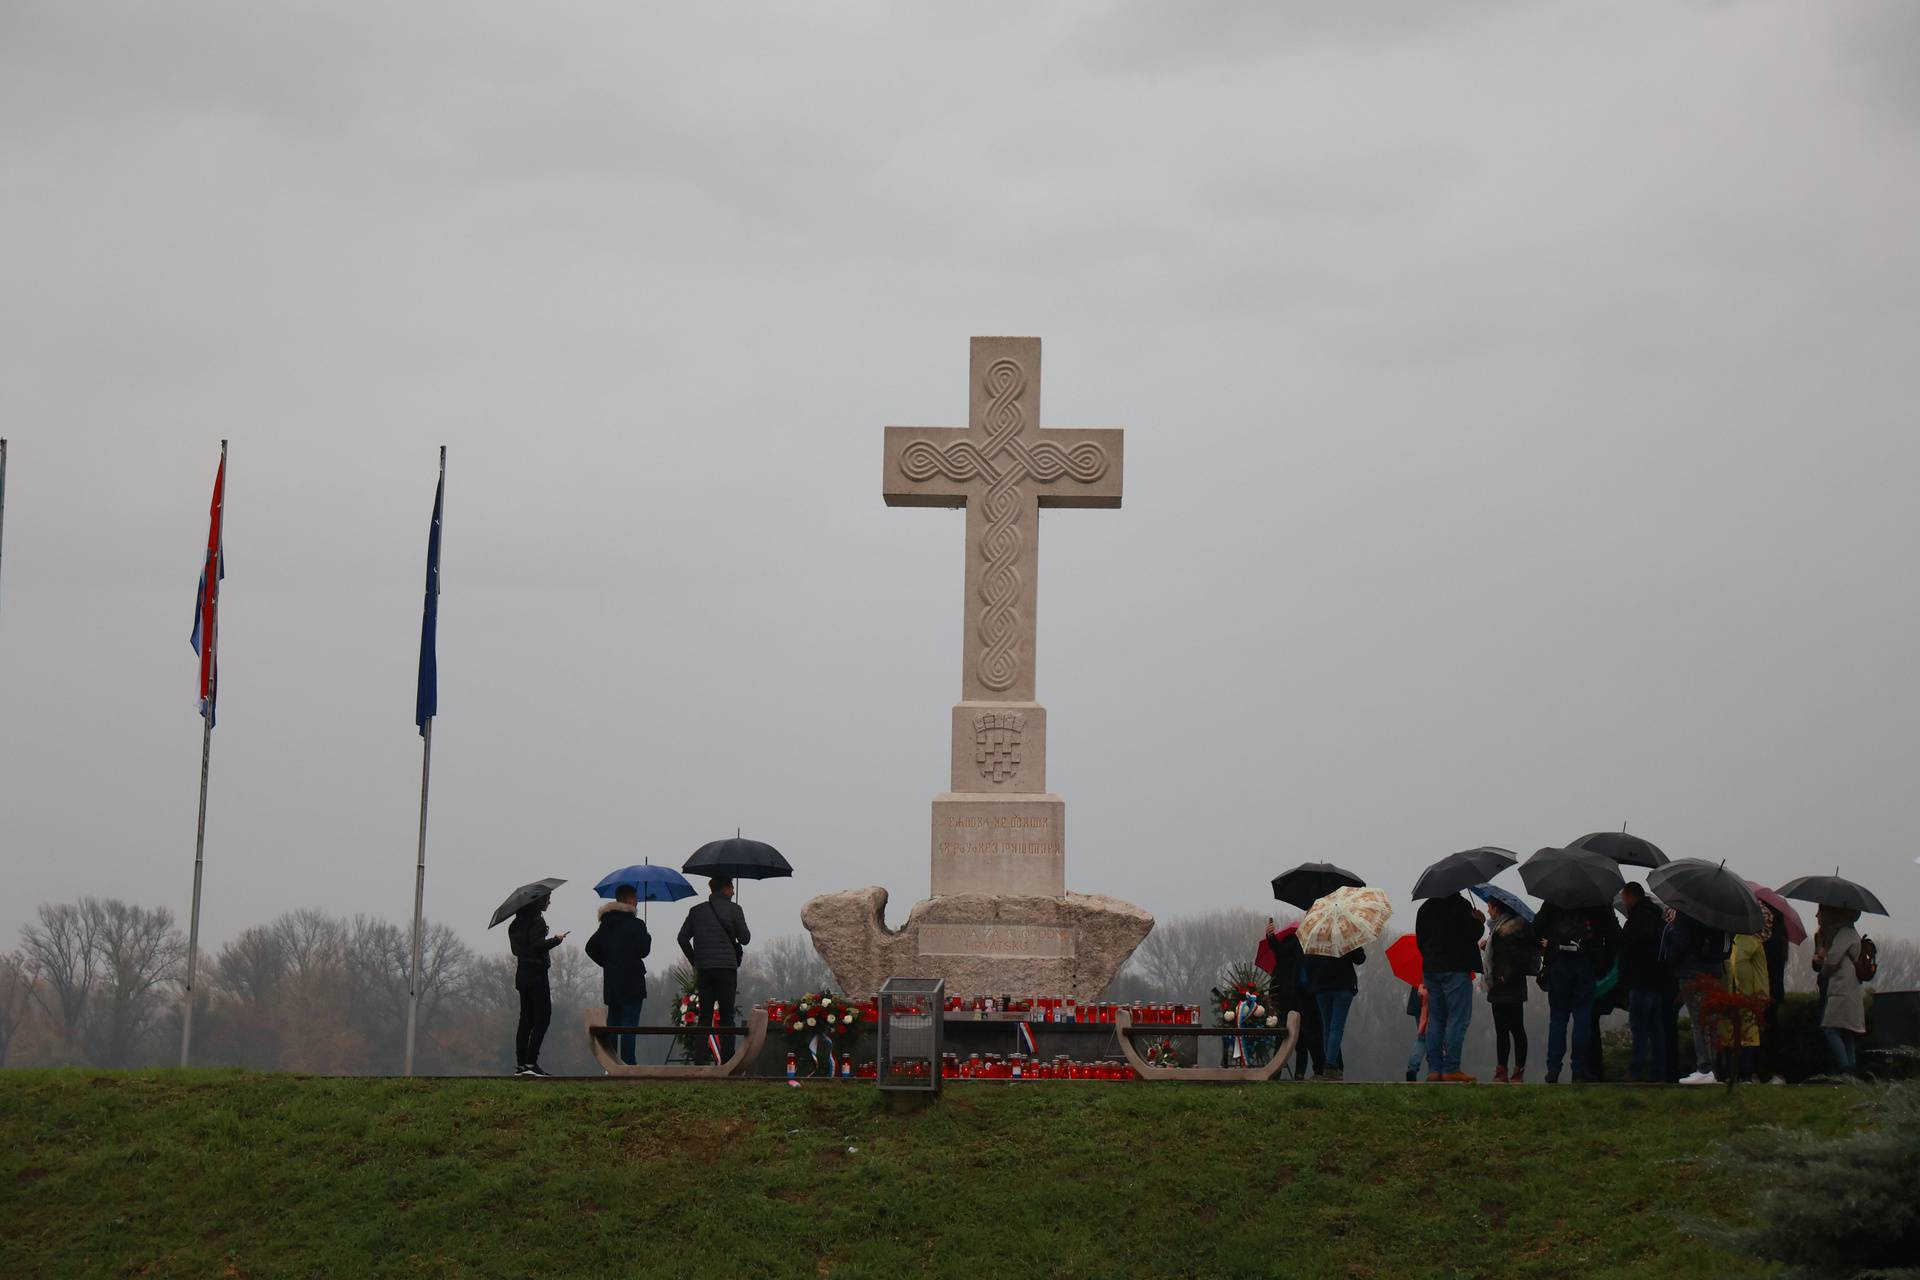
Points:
x=1334 y=973
x=1449 y=932
x=1640 y=948
x=714 y=934
x=1586 y=933
x=1283 y=986
x=1510 y=951
x=1777 y=949
x=527 y=935
x=1691 y=948
x=620 y=946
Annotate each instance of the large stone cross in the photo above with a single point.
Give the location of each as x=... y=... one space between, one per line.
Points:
x=1002 y=467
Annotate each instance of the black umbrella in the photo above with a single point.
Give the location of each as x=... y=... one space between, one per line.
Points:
x=1572 y=878
x=738 y=857
x=1459 y=871
x=1628 y=851
x=1832 y=891
x=525 y=896
x=1709 y=893
x=1309 y=882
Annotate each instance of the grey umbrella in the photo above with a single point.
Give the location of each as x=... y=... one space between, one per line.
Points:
x=1832 y=891
x=525 y=896
x=1458 y=872
x=1709 y=893
x=1572 y=878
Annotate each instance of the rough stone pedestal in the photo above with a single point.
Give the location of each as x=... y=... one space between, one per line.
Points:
x=982 y=944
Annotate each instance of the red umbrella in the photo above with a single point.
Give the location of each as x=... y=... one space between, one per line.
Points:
x=1403 y=957
x=1796 y=927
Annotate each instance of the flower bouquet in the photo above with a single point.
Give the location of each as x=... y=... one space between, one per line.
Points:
x=1163 y=1052
x=821 y=1024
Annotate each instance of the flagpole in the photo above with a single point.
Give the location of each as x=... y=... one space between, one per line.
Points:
x=212 y=642
x=419 y=892
x=2 y=490
x=420 y=850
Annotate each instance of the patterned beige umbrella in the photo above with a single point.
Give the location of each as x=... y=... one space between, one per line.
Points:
x=1345 y=920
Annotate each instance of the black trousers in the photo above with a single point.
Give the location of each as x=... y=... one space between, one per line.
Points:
x=716 y=989
x=536 y=1011
x=1510 y=1032
x=1309 y=1051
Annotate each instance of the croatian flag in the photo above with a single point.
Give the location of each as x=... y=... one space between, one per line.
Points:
x=206 y=605
x=426 y=697
x=1027 y=1045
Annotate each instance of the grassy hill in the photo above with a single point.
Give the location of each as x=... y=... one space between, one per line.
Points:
x=217 y=1173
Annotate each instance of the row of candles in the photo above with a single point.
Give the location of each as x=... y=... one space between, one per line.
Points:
x=1040 y=1008
x=1069 y=1009
x=978 y=1066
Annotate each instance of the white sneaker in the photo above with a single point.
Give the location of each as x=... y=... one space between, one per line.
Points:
x=1778 y=1080
x=1699 y=1077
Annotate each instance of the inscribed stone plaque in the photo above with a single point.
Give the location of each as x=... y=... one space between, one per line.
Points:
x=995 y=844
x=997 y=941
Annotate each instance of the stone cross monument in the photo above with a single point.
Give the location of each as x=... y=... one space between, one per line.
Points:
x=1000 y=918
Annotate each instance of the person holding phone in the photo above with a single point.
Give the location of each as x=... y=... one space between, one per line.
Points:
x=527 y=936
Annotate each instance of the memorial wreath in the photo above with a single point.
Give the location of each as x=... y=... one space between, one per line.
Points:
x=1241 y=1001
x=821 y=1024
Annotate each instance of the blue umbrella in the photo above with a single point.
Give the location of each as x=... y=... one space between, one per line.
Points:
x=654 y=884
x=1510 y=900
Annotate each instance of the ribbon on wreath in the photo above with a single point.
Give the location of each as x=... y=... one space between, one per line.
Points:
x=1027 y=1045
x=1240 y=1016
x=814 y=1046
x=713 y=1040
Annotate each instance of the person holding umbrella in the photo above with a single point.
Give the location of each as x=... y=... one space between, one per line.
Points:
x=1513 y=956
x=1706 y=905
x=527 y=937
x=714 y=939
x=1581 y=938
x=1643 y=978
x=620 y=945
x=1836 y=961
x=1447 y=929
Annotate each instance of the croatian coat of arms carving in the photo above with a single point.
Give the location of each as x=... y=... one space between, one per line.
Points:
x=996 y=744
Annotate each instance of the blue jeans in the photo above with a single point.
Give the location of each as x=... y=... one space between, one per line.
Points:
x=1418 y=1054
x=1569 y=996
x=1449 y=1010
x=1840 y=1044
x=1647 y=1020
x=626 y=1015
x=1333 y=1025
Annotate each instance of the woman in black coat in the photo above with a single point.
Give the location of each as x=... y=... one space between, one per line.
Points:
x=527 y=935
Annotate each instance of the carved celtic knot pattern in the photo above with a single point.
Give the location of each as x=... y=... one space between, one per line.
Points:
x=996 y=744
x=1003 y=503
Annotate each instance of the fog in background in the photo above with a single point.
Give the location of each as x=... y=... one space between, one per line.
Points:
x=1520 y=407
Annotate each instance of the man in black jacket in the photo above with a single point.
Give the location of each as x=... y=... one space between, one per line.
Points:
x=713 y=939
x=1448 y=930
x=620 y=946
x=1581 y=944
x=1641 y=977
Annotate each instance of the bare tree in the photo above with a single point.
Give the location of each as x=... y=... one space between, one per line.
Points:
x=16 y=997
x=61 y=948
x=1899 y=965
x=253 y=966
x=138 y=951
x=785 y=966
x=1185 y=956
x=311 y=941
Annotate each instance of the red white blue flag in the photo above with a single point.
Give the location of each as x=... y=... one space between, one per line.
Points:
x=1027 y=1045
x=206 y=605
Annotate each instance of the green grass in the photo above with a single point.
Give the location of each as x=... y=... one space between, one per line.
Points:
x=216 y=1173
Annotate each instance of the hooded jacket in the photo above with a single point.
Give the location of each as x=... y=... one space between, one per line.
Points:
x=619 y=946
x=1508 y=945
x=527 y=935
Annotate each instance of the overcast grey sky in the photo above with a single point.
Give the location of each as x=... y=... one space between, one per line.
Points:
x=1520 y=407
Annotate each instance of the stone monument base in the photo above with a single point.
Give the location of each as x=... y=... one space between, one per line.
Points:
x=982 y=944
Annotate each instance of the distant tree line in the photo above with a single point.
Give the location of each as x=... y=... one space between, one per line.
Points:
x=98 y=982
